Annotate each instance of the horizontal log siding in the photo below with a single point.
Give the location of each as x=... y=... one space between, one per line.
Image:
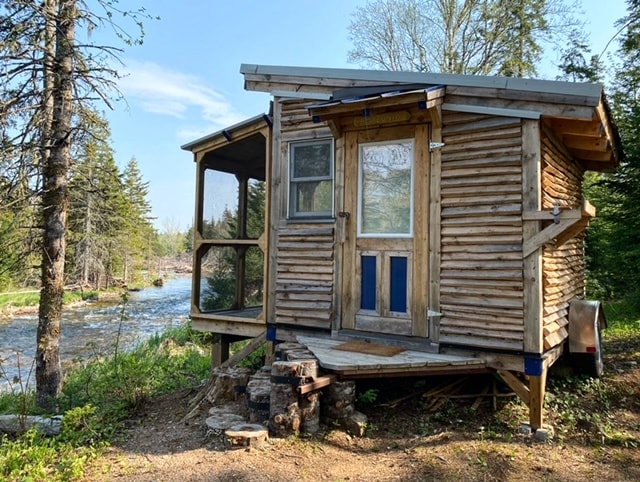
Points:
x=563 y=266
x=481 y=277
x=295 y=119
x=305 y=278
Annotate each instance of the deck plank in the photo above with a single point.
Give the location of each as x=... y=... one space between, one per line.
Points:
x=408 y=360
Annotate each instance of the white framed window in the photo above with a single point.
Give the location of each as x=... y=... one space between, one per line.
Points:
x=311 y=179
x=385 y=189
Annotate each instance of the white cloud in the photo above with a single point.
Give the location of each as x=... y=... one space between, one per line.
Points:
x=163 y=91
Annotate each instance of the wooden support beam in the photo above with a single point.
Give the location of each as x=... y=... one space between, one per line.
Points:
x=517 y=385
x=316 y=384
x=537 y=387
x=252 y=346
x=570 y=224
x=532 y=201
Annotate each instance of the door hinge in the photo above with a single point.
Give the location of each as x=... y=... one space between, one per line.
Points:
x=435 y=145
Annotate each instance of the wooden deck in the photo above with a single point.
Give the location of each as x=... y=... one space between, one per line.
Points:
x=406 y=363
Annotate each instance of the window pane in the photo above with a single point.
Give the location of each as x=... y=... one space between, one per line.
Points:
x=368 y=283
x=313 y=197
x=386 y=172
x=398 y=284
x=312 y=160
x=311 y=178
x=220 y=192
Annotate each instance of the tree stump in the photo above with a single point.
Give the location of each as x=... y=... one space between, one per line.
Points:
x=223 y=386
x=218 y=422
x=285 y=417
x=246 y=435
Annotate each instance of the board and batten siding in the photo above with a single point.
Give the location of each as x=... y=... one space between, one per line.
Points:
x=481 y=273
x=563 y=266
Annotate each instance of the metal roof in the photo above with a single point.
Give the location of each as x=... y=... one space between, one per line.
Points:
x=385 y=76
x=226 y=132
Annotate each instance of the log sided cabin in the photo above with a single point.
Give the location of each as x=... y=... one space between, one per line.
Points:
x=442 y=214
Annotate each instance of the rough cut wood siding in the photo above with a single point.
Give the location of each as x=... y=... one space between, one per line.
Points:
x=296 y=120
x=481 y=277
x=563 y=266
x=305 y=277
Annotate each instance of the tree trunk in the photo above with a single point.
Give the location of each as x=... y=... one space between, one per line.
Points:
x=55 y=201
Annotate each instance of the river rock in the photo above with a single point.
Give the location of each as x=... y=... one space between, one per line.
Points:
x=16 y=424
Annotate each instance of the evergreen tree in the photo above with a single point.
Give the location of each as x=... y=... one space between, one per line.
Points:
x=97 y=203
x=612 y=242
x=138 y=236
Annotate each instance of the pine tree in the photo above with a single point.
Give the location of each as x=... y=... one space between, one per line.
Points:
x=139 y=233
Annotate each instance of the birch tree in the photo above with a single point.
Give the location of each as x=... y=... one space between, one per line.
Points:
x=479 y=37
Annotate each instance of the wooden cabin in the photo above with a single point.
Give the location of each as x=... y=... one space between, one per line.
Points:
x=438 y=213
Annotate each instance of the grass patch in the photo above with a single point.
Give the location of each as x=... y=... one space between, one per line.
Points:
x=31 y=298
x=19 y=300
x=98 y=396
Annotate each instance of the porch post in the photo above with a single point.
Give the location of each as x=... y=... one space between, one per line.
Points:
x=241 y=251
x=537 y=388
x=219 y=350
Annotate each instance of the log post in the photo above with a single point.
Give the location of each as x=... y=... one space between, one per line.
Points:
x=285 y=417
x=310 y=411
x=259 y=399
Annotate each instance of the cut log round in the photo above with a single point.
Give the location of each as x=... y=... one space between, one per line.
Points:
x=259 y=400
x=310 y=411
x=339 y=401
x=282 y=349
x=246 y=435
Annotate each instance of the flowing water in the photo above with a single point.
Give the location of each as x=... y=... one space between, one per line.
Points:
x=93 y=328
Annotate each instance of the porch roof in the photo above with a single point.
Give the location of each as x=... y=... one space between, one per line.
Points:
x=239 y=149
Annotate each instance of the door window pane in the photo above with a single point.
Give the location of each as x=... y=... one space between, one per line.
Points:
x=368 y=283
x=386 y=180
x=398 y=284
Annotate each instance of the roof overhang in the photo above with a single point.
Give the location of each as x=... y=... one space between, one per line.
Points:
x=576 y=113
x=240 y=149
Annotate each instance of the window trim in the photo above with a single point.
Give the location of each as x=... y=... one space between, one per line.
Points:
x=292 y=213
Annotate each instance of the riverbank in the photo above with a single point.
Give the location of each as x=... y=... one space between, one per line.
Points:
x=92 y=327
x=25 y=302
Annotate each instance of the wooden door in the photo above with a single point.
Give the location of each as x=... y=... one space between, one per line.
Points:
x=385 y=284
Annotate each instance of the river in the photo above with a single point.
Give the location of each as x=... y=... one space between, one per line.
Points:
x=93 y=327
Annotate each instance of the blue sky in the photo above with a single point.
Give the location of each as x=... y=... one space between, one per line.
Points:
x=184 y=81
